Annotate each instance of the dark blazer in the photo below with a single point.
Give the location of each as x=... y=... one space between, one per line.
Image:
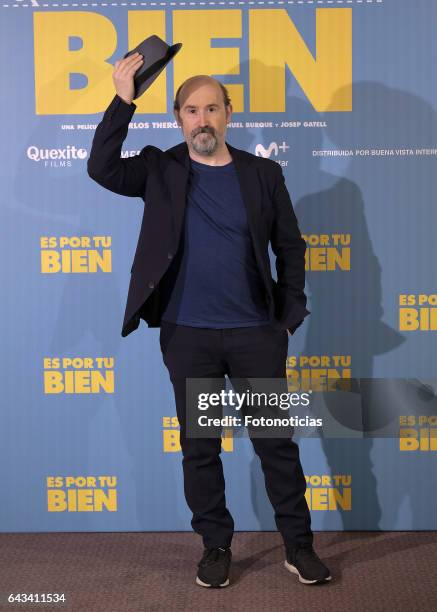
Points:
x=160 y=179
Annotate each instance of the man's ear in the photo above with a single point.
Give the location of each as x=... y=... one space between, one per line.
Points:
x=229 y=110
x=178 y=118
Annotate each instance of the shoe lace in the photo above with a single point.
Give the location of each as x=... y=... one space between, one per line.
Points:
x=211 y=555
x=307 y=552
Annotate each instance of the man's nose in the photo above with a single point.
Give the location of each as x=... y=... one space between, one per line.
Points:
x=203 y=118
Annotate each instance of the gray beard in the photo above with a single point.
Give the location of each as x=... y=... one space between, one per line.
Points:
x=204 y=145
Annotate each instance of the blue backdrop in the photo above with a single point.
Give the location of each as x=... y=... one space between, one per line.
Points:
x=342 y=95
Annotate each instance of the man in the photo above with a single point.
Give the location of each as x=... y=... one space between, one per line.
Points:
x=201 y=272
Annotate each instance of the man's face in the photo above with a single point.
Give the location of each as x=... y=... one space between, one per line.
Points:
x=203 y=117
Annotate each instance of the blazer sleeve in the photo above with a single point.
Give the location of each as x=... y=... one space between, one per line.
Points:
x=289 y=248
x=125 y=176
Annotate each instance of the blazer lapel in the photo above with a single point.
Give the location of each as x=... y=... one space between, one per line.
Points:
x=176 y=175
x=250 y=190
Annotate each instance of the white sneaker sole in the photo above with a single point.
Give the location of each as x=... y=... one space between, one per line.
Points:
x=294 y=570
x=204 y=584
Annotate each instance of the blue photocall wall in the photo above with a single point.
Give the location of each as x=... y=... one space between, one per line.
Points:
x=342 y=95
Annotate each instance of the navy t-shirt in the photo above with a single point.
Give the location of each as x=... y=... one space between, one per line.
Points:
x=214 y=279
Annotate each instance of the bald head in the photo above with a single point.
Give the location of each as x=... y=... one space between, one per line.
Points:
x=200 y=80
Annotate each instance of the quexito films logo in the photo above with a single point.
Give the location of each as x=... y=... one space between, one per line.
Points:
x=272 y=149
x=56 y=158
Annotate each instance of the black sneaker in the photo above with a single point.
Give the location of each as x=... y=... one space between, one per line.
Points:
x=304 y=562
x=214 y=567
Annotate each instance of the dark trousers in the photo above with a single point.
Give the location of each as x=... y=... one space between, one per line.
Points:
x=256 y=352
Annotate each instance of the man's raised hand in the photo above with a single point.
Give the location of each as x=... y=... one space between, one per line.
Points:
x=123 y=76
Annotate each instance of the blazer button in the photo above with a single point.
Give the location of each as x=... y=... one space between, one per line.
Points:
x=151 y=285
x=169 y=255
